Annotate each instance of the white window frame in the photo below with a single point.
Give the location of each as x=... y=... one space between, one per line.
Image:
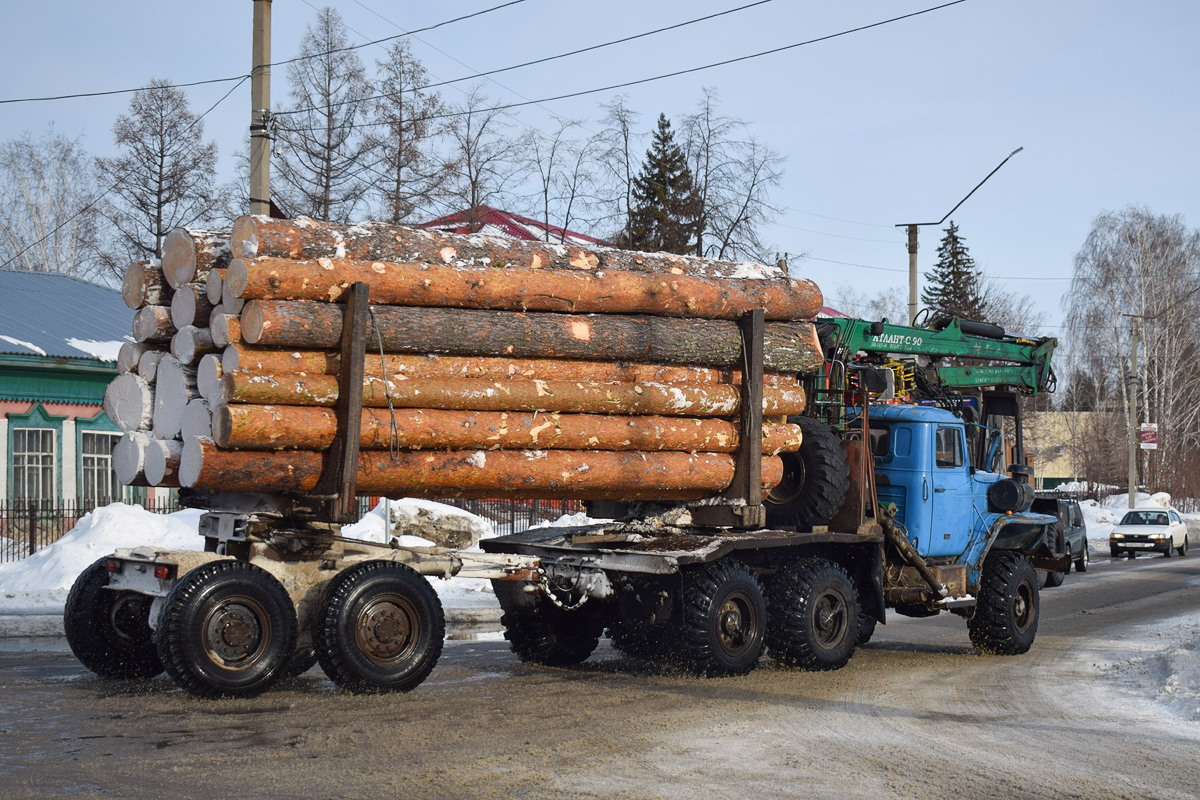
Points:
x=91 y=465
x=20 y=472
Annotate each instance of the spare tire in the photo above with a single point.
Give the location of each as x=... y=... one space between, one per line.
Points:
x=815 y=479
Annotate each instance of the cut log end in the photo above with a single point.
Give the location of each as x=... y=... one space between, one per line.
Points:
x=162 y=462
x=178 y=258
x=129 y=402
x=129 y=458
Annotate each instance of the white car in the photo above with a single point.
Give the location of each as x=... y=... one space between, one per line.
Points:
x=1157 y=529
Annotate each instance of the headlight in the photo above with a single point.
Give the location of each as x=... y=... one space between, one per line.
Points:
x=1117 y=536
x=1159 y=535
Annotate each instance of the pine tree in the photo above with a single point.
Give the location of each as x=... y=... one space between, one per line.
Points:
x=663 y=217
x=955 y=286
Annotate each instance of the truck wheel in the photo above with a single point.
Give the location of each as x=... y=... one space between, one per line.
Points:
x=1081 y=563
x=380 y=629
x=814 y=619
x=644 y=642
x=551 y=636
x=1055 y=579
x=815 y=479
x=109 y=632
x=304 y=659
x=724 y=619
x=227 y=629
x=866 y=628
x=1006 y=616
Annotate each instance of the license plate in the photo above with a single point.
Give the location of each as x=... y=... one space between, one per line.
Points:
x=1139 y=544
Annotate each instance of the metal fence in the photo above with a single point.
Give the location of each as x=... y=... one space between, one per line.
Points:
x=29 y=525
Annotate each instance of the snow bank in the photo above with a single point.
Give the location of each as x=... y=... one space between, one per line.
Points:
x=1166 y=669
x=445 y=525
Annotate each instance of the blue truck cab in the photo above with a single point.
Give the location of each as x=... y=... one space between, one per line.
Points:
x=925 y=479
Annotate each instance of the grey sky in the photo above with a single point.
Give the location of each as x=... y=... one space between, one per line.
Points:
x=890 y=125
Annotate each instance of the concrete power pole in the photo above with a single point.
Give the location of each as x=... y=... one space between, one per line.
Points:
x=260 y=111
x=1133 y=417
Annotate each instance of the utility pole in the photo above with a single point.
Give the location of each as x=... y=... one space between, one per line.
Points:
x=1133 y=418
x=260 y=111
x=912 y=240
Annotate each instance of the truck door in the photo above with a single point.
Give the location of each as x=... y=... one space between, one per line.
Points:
x=950 y=478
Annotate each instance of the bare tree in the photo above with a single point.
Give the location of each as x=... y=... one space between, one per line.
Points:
x=619 y=162
x=48 y=219
x=482 y=155
x=404 y=135
x=164 y=175
x=322 y=147
x=733 y=175
x=1136 y=278
x=563 y=167
x=888 y=303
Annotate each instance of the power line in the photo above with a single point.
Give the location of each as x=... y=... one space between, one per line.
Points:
x=677 y=73
x=238 y=78
x=91 y=203
x=539 y=60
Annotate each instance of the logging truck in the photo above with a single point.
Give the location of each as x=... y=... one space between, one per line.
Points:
x=769 y=483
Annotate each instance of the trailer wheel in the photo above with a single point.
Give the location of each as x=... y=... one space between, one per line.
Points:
x=1006 y=616
x=814 y=620
x=227 y=629
x=815 y=479
x=302 y=660
x=645 y=642
x=109 y=632
x=866 y=628
x=724 y=619
x=380 y=629
x=551 y=636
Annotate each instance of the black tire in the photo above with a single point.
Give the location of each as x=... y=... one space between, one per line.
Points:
x=645 y=642
x=109 y=632
x=227 y=629
x=304 y=659
x=1085 y=558
x=1006 y=616
x=724 y=620
x=866 y=628
x=551 y=636
x=814 y=620
x=380 y=629
x=1114 y=552
x=1183 y=548
x=1055 y=578
x=815 y=479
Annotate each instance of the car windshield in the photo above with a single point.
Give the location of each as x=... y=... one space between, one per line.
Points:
x=1145 y=518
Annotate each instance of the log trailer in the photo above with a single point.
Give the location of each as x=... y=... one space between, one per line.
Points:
x=879 y=509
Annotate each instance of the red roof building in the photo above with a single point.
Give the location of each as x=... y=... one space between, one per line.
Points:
x=494 y=222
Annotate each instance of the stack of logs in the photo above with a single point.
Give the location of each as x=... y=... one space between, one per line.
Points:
x=494 y=367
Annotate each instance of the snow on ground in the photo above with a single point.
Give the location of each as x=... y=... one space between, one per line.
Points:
x=1166 y=669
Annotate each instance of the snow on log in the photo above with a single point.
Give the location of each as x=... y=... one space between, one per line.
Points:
x=190 y=305
x=153 y=324
x=174 y=388
x=129 y=458
x=305 y=239
x=788 y=346
x=129 y=402
x=255 y=427
x=129 y=355
x=162 y=462
x=208 y=377
x=197 y=420
x=189 y=254
x=532 y=474
x=225 y=329
x=610 y=292
x=148 y=364
x=190 y=343
x=473 y=394
x=144 y=285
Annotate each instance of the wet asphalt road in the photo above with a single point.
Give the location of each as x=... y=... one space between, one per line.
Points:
x=916 y=714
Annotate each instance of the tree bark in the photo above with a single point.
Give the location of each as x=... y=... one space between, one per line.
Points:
x=473 y=394
x=190 y=305
x=238 y=355
x=189 y=254
x=543 y=474
x=255 y=427
x=153 y=324
x=611 y=292
x=129 y=402
x=144 y=285
x=380 y=241
x=789 y=346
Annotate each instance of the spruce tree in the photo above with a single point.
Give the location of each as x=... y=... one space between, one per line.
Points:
x=955 y=286
x=663 y=217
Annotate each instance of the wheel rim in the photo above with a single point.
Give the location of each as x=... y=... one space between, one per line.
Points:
x=737 y=623
x=236 y=632
x=129 y=618
x=1086 y=556
x=1023 y=606
x=387 y=629
x=829 y=619
x=792 y=483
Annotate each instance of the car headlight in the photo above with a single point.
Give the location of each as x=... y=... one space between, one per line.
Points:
x=1159 y=535
x=1117 y=536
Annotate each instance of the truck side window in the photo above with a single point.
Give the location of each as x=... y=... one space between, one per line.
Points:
x=948 y=447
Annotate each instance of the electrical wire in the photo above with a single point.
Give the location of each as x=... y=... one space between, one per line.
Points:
x=91 y=203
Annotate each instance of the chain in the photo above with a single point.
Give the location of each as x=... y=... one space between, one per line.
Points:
x=544 y=583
